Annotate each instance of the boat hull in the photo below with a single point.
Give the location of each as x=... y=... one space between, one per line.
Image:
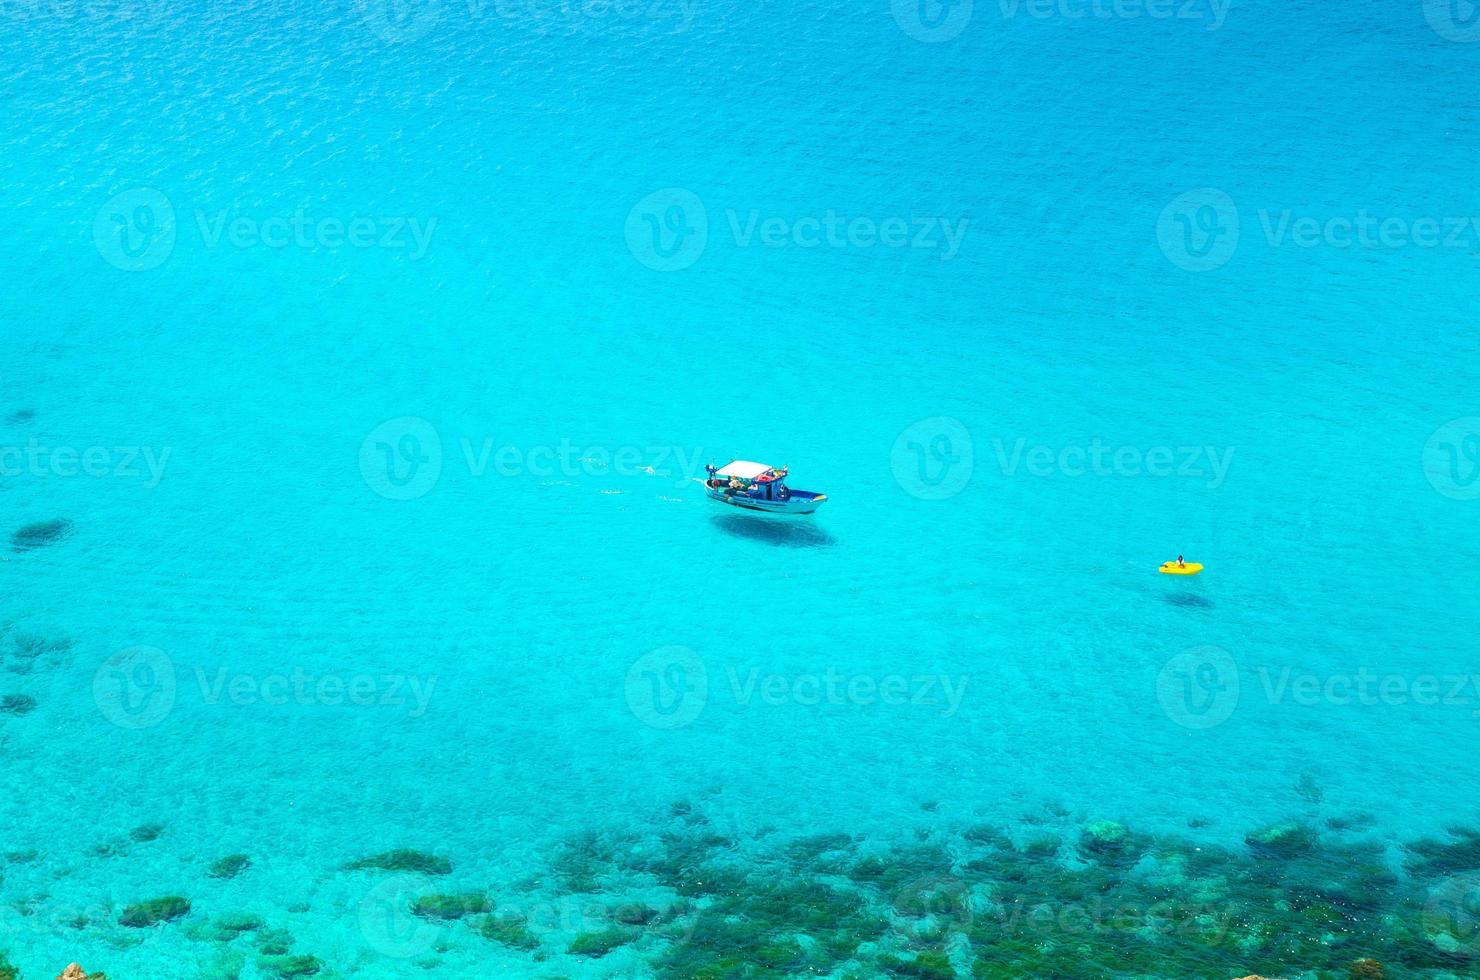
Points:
x=799 y=502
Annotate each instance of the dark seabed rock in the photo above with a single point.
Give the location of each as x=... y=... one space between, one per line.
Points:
x=1446 y=857
x=229 y=867
x=403 y=859
x=1281 y=840
x=31 y=644
x=1188 y=600
x=141 y=915
x=451 y=906
x=597 y=944
x=147 y=832
x=239 y=922
x=507 y=929
x=17 y=704
x=40 y=534
x=21 y=416
x=287 y=967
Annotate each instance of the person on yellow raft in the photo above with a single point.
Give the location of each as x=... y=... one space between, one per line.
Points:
x=1180 y=567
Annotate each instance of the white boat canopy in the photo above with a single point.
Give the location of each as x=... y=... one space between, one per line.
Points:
x=744 y=469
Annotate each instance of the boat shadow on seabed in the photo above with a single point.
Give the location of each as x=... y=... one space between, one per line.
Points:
x=781 y=532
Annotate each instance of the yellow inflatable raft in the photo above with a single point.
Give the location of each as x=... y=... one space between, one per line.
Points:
x=1172 y=568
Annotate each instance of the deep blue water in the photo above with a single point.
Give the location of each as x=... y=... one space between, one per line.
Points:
x=373 y=354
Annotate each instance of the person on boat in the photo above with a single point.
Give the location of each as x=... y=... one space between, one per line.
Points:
x=1180 y=562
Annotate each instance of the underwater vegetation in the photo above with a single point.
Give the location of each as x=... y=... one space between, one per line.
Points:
x=39 y=534
x=1053 y=896
x=1087 y=900
x=141 y=915
x=405 y=860
x=230 y=866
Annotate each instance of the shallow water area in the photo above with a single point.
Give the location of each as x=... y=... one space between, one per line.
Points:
x=367 y=600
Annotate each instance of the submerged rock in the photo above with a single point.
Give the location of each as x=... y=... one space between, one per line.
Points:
x=41 y=533
x=450 y=906
x=16 y=418
x=147 y=832
x=1110 y=843
x=229 y=867
x=141 y=915
x=238 y=922
x=1437 y=857
x=75 y=972
x=509 y=930
x=403 y=859
x=1282 y=840
x=17 y=704
x=289 y=966
x=597 y=944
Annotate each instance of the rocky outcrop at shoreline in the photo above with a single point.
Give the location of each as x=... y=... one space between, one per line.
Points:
x=76 y=972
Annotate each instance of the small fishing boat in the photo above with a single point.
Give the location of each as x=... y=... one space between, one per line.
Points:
x=756 y=486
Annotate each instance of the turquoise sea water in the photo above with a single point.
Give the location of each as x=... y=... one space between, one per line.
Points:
x=372 y=354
